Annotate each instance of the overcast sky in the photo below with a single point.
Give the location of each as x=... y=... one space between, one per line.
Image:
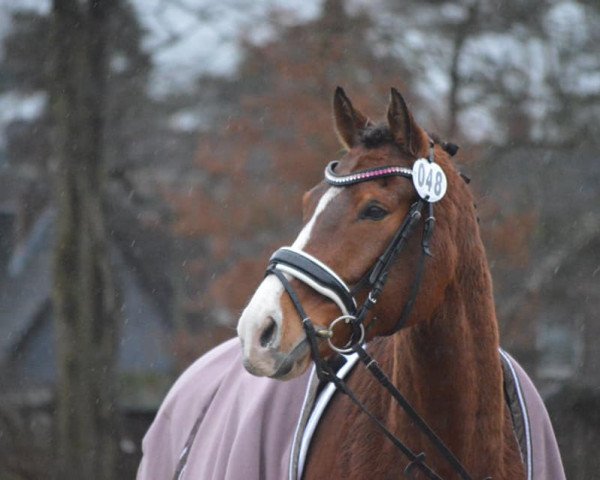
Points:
x=191 y=37
x=206 y=33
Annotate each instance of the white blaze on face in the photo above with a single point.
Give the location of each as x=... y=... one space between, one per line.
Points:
x=304 y=235
x=266 y=301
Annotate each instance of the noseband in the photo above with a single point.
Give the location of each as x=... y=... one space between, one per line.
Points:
x=297 y=264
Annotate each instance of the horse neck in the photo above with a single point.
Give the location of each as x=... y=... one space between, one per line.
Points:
x=450 y=367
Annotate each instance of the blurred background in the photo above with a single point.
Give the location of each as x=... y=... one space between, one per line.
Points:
x=153 y=153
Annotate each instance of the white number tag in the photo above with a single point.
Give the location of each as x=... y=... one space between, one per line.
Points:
x=429 y=179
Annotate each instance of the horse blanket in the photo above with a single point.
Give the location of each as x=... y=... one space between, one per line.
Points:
x=218 y=422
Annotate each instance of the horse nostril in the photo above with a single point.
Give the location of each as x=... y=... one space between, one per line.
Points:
x=268 y=334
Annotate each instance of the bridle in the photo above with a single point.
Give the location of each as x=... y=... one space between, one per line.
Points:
x=321 y=278
x=289 y=262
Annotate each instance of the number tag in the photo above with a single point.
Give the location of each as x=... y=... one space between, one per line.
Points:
x=429 y=179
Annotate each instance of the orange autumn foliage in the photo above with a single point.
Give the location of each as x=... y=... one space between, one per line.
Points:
x=273 y=145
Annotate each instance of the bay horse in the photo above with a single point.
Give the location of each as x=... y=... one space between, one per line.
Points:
x=445 y=357
x=389 y=270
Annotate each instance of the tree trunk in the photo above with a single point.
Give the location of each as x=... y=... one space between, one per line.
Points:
x=85 y=306
x=463 y=31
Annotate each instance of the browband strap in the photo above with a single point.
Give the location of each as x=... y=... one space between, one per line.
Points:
x=336 y=180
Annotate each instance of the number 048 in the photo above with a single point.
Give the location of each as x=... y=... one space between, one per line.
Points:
x=429 y=180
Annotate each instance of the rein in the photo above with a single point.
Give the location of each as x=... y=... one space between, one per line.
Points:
x=325 y=281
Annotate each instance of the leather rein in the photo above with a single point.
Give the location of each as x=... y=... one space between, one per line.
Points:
x=288 y=262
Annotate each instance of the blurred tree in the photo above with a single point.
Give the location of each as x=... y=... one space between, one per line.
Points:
x=137 y=137
x=25 y=72
x=26 y=68
x=271 y=143
x=85 y=301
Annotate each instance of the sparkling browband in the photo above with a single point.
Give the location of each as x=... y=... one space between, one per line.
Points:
x=336 y=180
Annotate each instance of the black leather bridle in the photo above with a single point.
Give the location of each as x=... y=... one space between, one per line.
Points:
x=321 y=278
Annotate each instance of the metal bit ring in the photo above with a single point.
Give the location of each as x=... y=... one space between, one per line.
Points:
x=348 y=348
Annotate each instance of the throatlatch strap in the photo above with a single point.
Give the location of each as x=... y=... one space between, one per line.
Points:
x=408 y=306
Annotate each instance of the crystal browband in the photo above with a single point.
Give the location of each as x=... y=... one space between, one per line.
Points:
x=336 y=180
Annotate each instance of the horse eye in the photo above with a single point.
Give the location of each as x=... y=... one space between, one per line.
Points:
x=373 y=212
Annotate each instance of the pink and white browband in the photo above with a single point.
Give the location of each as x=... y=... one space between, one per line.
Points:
x=336 y=180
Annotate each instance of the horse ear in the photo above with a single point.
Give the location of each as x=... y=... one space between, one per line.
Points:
x=349 y=122
x=403 y=127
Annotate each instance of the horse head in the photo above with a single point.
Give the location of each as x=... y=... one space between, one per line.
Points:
x=348 y=225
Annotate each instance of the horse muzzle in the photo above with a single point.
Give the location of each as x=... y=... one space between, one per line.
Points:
x=266 y=360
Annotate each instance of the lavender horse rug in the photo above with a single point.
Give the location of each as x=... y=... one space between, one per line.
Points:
x=218 y=422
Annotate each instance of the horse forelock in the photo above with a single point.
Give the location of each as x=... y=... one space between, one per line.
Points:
x=377 y=135
x=374 y=136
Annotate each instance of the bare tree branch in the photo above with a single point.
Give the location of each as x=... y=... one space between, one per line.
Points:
x=588 y=229
x=463 y=31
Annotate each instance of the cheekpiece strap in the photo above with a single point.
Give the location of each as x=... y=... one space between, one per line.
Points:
x=336 y=180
